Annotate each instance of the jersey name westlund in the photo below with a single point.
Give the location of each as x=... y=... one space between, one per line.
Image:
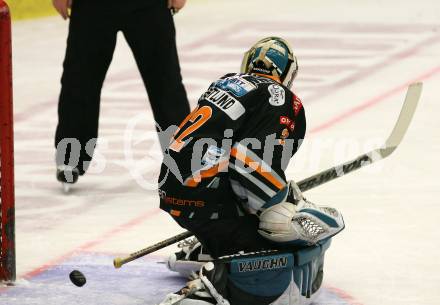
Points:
x=225 y=102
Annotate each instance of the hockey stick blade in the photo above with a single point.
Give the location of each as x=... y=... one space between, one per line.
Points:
x=396 y=136
x=405 y=117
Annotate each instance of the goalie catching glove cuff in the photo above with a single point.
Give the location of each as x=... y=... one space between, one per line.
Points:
x=299 y=222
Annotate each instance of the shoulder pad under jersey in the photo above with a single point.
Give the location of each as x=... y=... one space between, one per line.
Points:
x=235 y=84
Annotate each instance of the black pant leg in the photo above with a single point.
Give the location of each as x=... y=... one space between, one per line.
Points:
x=227 y=236
x=90 y=46
x=150 y=33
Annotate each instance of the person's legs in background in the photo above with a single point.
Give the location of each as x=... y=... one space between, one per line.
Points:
x=90 y=46
x=150 y=34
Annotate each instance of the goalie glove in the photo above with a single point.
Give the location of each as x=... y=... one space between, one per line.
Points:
x=299 y=222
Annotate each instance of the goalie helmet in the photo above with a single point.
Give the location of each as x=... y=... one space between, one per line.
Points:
x=271 y=56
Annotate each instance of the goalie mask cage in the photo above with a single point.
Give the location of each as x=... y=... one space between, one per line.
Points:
x=7 y=238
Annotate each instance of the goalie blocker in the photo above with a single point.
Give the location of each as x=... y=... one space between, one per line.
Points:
x=260 y=278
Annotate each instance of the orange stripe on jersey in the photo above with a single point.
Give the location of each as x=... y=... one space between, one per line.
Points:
x=211 y=172
x=175 y=213
x=257 y=167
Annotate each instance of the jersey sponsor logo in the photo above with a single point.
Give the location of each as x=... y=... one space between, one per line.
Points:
x=284 y=120
x=297 y=105
x=225 y=102
x=235 y=85
x=277 y=95
x=213 y=155
x=179 y=201
x=184 y=202
x=291 y=126
x=284 y=135
x=263 y=264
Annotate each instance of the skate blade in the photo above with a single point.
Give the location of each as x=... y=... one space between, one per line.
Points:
x=66 y=187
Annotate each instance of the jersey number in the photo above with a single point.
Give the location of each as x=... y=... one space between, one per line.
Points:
x=197 y=118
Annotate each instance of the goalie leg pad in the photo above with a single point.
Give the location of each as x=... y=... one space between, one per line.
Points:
x=277 y=279
x=259 y=278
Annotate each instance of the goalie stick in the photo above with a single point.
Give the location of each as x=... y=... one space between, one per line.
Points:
x=394 y=139
x=118 y=262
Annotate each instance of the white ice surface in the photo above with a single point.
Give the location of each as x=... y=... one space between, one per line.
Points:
x=388 y=253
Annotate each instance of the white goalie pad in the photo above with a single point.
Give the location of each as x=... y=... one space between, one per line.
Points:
x=199 y=291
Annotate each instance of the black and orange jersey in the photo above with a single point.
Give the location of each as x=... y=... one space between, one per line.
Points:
x=232 y=150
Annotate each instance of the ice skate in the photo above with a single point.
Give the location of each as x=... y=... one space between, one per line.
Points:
x=189 y=259
x=198 y=291
x=67 y=175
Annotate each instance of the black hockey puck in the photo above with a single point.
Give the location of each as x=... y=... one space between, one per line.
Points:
x=77 y=278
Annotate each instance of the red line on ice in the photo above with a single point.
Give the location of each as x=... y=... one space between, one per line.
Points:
x=368 y=71
x=343 y=295
x=89 y=245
